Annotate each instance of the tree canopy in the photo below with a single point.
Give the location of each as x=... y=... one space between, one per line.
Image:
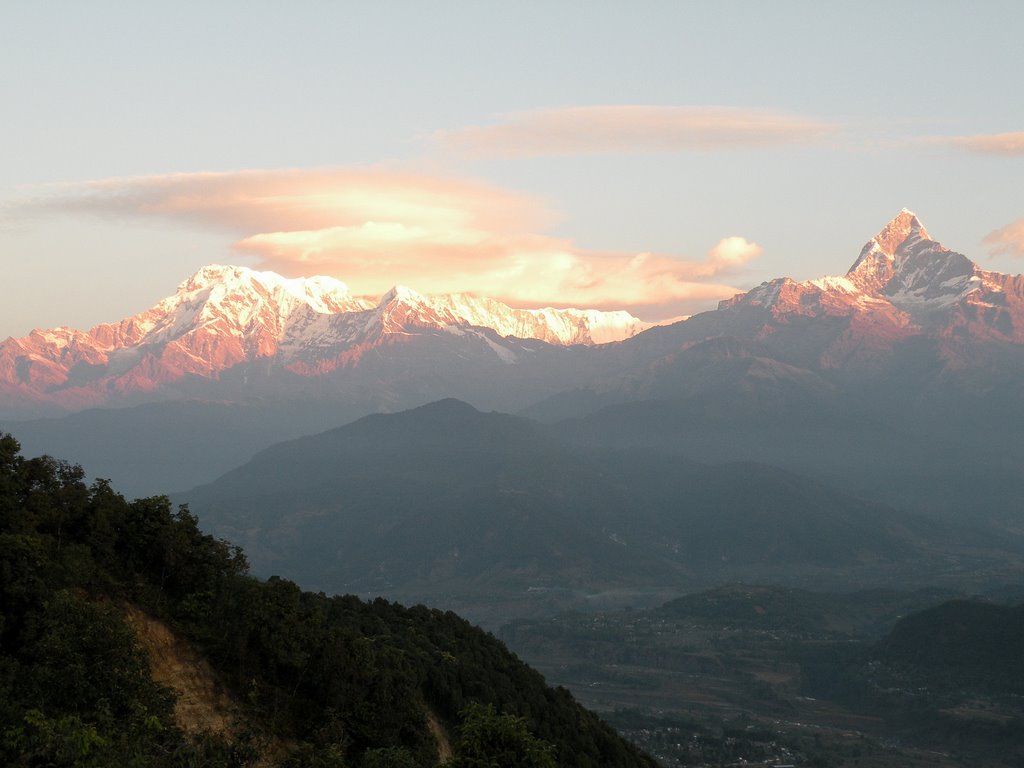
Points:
x=321 y=681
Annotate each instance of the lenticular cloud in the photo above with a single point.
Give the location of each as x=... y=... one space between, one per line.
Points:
x=634 y=128
x=374 y=228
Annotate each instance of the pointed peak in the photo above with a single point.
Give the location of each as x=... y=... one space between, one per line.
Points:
x=903 y=226
x=875 y=265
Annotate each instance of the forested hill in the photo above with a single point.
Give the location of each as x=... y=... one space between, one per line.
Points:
x=130 y=638
x=961 y=644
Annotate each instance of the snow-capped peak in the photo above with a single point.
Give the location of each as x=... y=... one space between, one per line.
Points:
x=210 y=275
x=878 y=260
x=555 y=326
x=901 y=268
x=244 y=300
x=402 y=294
x=239 y=296
x=919 y=276
x=227 y=316
x=904 y=227
x=320 y=293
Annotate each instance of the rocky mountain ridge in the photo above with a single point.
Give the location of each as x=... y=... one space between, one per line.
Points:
x=907 y=281
x=226 y=317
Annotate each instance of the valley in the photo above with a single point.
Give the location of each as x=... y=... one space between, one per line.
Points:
x=779 y=675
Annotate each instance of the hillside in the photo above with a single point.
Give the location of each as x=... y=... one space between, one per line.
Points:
x=91 y=581
x=458 y=507
x=437 y=499
x=863 y=614
x=966 y=644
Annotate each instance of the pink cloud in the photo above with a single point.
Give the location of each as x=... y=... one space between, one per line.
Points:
x=990 y=144
x=292 y=199
x=374 y=228
x=634 y=128
x=1008 y=240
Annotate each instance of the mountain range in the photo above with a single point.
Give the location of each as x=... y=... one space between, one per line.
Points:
x=227 y=330
x=897 y=382
x=233 y=334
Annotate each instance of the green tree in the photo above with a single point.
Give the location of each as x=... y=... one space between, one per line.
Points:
x=488 y=739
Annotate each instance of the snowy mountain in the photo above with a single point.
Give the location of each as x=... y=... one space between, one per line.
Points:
x=913 y=330
x=232 y=334
x=226 y=318
x=908 y=281
x=898 y=381
x=818 y=376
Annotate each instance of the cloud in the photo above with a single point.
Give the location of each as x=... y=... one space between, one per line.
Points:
x=730 y=254
x=1007 y=241
x=634 y=128
x=989 y=144
x=293 y=199
x=375 y=228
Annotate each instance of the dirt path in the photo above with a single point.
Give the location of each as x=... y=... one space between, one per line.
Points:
x=202 y=703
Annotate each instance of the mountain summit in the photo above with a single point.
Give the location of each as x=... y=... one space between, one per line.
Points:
x=904 y=226
x=878 y=259
x=906 y=283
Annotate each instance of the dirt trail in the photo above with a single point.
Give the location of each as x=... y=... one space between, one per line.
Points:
x=444 y=745
x=202 y=703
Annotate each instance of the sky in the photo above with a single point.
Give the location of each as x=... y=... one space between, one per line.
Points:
x=649 y=156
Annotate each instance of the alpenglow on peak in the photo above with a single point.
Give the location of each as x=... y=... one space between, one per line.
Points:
x=876 y=264
x=902 y=227
x=234 y=318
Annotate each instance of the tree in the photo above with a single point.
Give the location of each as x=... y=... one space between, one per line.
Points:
x=491 y=740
